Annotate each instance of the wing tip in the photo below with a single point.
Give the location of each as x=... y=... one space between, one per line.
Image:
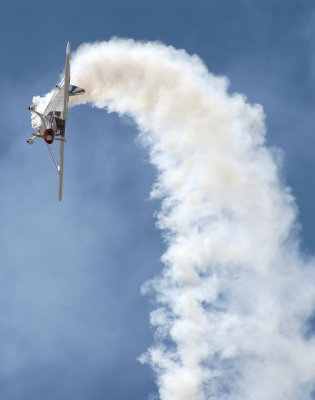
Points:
x=68 y=48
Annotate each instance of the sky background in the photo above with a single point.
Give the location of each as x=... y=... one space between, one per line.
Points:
x=72 y=318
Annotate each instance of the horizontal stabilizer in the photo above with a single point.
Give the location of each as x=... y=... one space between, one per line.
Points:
x=75 y=90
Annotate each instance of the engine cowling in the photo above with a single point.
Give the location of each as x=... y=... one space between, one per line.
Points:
x=30 y=141
x=32 y=107
x=49 y=135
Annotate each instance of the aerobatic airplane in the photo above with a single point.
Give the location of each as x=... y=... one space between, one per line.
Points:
x=53 y=120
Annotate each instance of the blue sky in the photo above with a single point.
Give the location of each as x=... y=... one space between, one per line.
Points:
x=72 y=320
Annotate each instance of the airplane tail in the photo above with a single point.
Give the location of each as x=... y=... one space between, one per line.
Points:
x=75 y=90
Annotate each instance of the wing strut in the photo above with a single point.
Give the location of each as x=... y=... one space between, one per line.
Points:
x=62 y=144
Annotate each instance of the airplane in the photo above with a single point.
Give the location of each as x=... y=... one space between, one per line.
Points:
x=53 y=120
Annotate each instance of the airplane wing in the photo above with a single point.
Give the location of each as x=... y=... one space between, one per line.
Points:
x=64 y=117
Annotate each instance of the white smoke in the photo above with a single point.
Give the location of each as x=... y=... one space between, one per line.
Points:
x=40 y=103
x=234 y=294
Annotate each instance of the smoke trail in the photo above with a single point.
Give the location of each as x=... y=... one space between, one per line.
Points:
x=234 y=294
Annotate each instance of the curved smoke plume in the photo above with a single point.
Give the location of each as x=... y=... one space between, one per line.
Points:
x=234 y=294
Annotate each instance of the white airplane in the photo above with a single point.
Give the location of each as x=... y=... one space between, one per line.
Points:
x=53 y=119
